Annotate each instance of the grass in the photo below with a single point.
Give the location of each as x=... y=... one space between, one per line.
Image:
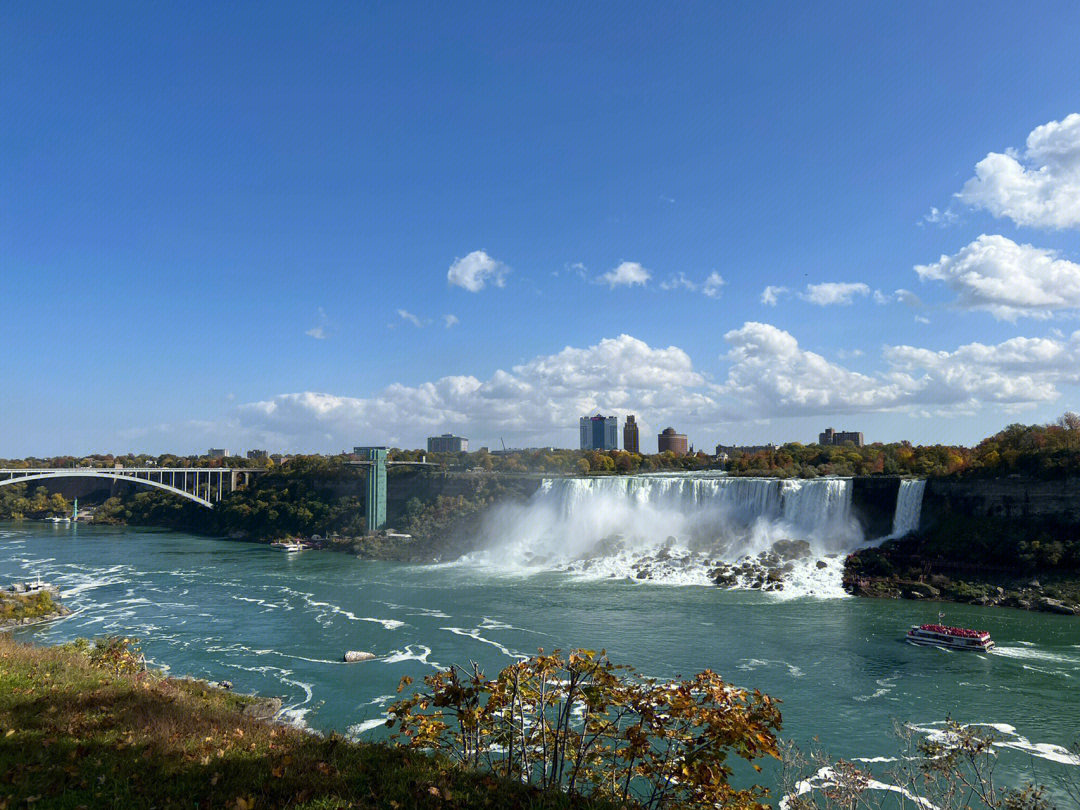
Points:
x=75 y=736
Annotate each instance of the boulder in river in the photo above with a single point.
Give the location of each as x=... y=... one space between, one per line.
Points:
x=355 y=656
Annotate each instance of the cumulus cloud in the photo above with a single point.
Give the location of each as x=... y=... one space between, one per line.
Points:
x=626 y=274
x=713 y=285
x=1038 y=187
x=834 y=293
x=771 y=294
x=450 y=320
x=477 y=270
x=768 y=375
x=1007 y=280
x=530 y=402
x=773 y=376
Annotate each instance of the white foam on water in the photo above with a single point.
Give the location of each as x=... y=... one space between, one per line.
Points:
x=937 y=732
x=1045 y=662
x=826 y=777
x=357 y=729
x=332 y=609
x=750 y=664
x=410 y=654
x=885 y=686
x=474 y=634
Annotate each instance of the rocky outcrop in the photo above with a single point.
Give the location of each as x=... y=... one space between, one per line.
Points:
x=766 y=570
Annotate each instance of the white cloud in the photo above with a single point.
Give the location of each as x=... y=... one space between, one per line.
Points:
x=713 y=285
x=940 y=218
x=771 y=294
x=679 y=281
x=834 y=292
x=1008 y=280
x=773 y=376
x=626 y=274
x=450 y=320
x=319 y=331
x=1038 y=187
x=769 y=375
x=405 y=315
x=529 y=403
x=476 y=270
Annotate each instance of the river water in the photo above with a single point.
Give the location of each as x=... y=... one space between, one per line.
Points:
x=278 y=624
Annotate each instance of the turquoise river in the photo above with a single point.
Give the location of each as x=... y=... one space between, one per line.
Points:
x=277 y=624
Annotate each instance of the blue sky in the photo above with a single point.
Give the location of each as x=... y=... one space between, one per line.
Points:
x=243 y=225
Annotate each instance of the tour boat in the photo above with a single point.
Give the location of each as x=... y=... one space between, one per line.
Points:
x=288 y=545
x=953 y=638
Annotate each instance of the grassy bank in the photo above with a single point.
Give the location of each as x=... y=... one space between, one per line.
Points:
x=74 y=734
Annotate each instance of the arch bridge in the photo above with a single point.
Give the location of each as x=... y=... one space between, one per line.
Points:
x=203 y=485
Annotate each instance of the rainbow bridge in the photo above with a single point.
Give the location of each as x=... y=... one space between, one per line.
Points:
x=203 y=485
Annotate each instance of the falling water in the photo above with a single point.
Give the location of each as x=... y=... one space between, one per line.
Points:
x=908 y=507
x=679 y=526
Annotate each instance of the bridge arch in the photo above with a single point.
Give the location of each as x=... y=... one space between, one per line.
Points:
x=77 y=473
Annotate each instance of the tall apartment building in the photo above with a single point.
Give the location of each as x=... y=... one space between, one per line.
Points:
x=217 y=452
x=831 y=436
x=668 y=439
x=447 y=443
x=630 y=435
x=599 y=432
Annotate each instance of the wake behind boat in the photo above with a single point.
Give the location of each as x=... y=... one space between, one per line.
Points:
x=953 y=638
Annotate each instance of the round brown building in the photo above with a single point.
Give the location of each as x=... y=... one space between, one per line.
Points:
x=668 y=439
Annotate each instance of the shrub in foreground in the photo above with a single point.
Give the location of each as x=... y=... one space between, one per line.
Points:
x=583 y=725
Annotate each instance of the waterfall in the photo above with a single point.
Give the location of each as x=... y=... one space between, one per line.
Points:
x=908 y=507
x=681 y=525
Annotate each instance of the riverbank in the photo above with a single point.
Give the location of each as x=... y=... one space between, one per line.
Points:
x=22 y=609
x=74 y=734
x=989 y=568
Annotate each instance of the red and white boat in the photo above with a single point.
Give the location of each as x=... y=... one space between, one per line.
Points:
x=953 y=638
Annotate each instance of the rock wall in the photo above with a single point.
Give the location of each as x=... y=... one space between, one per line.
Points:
x=873 y=501
x=404 y=483
x=1057 y=500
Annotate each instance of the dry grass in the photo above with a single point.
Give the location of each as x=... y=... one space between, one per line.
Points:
x=74 y=736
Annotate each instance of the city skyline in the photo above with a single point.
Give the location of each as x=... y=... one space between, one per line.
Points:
x=305 y=229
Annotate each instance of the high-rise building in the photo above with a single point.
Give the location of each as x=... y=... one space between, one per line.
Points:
x=668 y=439
x=217 y=452
x=599 y=432
x=257 y=455
x=630 y=435
x=447 y=443
x=831 y=436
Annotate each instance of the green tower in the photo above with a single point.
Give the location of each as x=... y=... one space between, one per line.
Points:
x=376 y=488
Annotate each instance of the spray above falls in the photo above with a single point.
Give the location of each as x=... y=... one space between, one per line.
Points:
x=682 y=529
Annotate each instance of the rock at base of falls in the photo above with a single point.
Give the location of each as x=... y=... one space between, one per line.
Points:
x=764 y=572
x=355 y=656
